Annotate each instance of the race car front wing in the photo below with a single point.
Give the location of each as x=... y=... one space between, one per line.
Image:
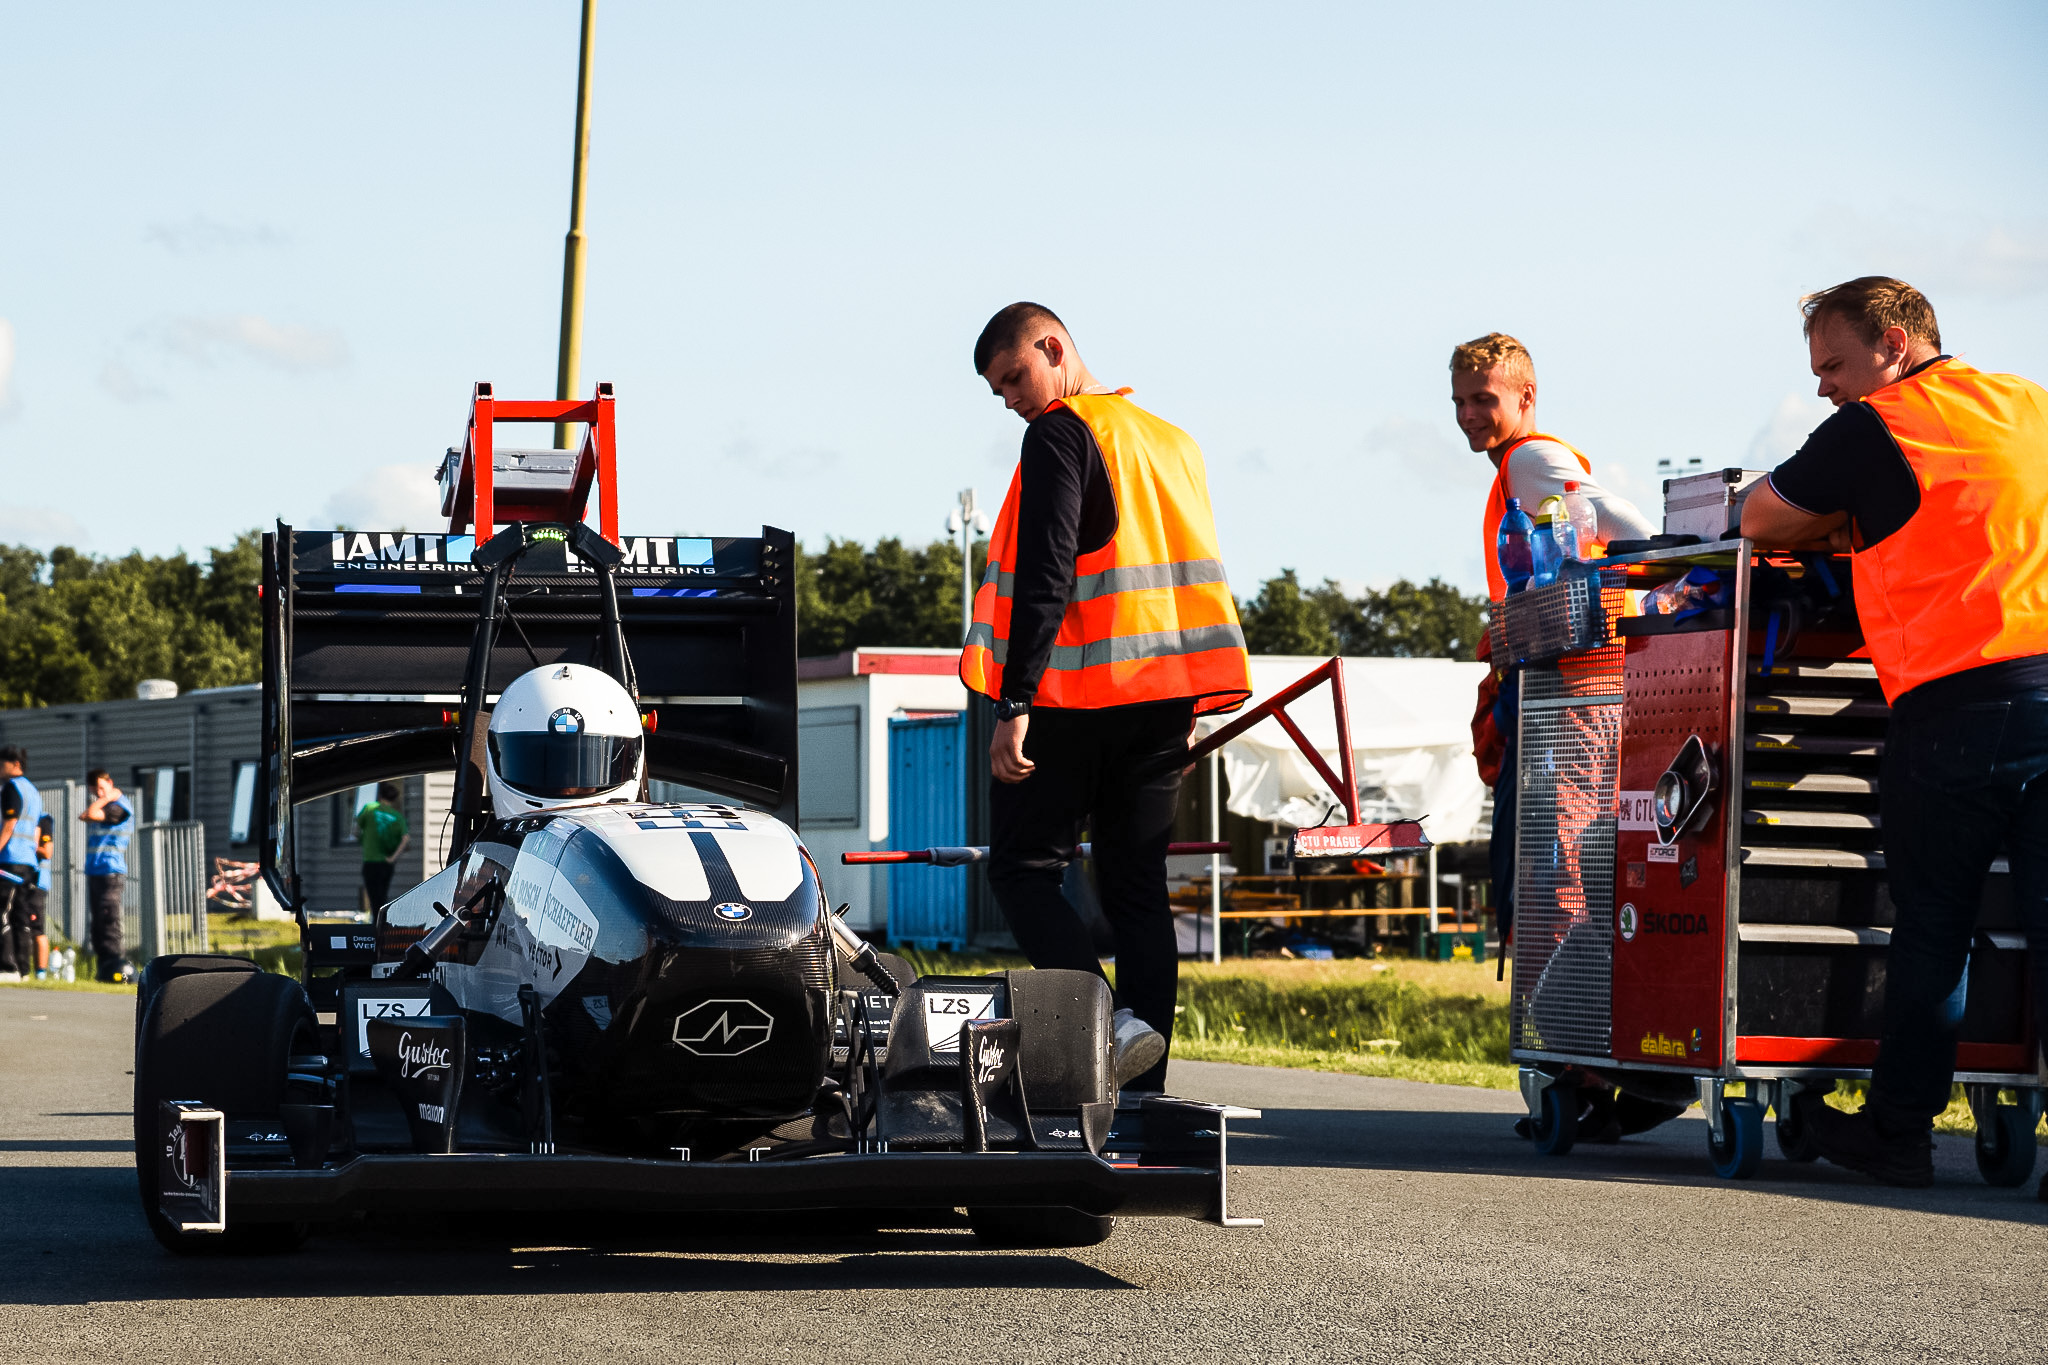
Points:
x=1165 y=1157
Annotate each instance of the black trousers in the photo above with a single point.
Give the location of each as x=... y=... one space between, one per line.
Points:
x=18 y=925
x=377 y=881
x=103 y=902
x=1096 y=771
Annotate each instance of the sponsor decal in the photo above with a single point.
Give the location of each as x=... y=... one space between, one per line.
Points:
x=420 y=1060
x=1657 y=1045
x=988 y=1060
x=566 y=720
x=732 y=910
x=368 y=1008
x=1625 y=923
x=1697 y=1043
x=723 y=1028
x=1631 y=922
x=433 y=1113
x=1635 y=810
x=1638 y=875
x=946 y=1011
x=176 y=1152
x=1690 y=872
x=1663 y=853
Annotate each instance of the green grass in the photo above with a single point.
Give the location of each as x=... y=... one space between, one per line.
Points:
x=91 y=987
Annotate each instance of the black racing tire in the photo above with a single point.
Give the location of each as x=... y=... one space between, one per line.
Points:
x=224 y=1038
x=1557 y=1121
x=1039 y=1229
x=171 y=965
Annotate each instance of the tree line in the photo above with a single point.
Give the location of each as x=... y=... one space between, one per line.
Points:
x=76 y=627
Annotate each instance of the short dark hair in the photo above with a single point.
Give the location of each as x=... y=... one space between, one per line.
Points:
x=95 y=774
x=388 y=791
x=1872 y=305
x=13 y=753
x=1008 y=329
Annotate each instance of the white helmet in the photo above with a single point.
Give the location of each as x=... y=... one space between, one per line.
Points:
x=563 y=735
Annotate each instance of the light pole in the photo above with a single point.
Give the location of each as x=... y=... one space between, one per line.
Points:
x=571 y=356
x=966 y=521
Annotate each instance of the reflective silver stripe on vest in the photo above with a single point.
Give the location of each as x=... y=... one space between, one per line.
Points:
x=1164 y=644
x=1192 y=573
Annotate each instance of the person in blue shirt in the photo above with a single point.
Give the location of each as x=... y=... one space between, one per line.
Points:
x=109 y=826
x=21 y=811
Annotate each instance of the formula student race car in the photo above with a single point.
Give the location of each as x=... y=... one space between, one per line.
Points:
x=603 y=1002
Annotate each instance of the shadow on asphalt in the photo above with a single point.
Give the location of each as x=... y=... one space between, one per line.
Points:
x=75 y=1235
x=1676 y=1155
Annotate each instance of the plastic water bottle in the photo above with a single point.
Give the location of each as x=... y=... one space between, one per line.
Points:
x=1554 y=543
x=1584 y=519
x=1511 y=546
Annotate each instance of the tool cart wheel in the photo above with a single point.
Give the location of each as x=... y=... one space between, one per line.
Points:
x=1557 y=1122
x=1740 y=1149
x=1795 y=1134
x=2005 y=1146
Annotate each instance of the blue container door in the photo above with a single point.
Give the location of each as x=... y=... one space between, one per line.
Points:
x=927 y=809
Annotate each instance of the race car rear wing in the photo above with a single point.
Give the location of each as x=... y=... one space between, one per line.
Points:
x=383 y=650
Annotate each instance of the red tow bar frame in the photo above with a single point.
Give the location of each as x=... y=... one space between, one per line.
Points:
x=476 y=503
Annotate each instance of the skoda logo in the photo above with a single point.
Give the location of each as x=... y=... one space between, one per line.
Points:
x=723 y=1028
x=732 y=910
x=567 y=720
x=1625 y=921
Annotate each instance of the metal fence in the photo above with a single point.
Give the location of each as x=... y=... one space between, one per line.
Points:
x=163 y=906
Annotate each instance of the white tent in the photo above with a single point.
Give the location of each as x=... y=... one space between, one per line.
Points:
x=1411 y=742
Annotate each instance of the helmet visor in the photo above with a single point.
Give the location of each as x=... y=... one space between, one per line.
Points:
x=555 y=765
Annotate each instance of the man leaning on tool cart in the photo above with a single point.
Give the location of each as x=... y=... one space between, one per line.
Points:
x=1934 y=476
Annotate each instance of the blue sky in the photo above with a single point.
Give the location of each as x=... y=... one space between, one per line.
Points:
x=253 y=256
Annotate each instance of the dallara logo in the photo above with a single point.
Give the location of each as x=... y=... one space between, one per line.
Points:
x=1657 y=1045
x=723 y=1028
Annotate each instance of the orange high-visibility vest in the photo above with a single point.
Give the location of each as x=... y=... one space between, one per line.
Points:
x=1964 y=582
x=1497 y=507
x=1151 y=617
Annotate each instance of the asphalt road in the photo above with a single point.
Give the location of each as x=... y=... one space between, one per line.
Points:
x=1404 y=1222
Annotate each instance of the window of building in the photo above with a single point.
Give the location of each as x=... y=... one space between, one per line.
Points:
x=163 y=794
x=242 y=805
x=828 y=766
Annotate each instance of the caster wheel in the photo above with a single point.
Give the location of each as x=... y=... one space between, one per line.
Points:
x=2005 y=1147
x=1557 y=1125
x=1741 y=1148
x=1795 y=1134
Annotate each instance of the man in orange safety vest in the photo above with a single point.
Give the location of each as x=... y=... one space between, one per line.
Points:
x=1934 y=476
x=1103 y=626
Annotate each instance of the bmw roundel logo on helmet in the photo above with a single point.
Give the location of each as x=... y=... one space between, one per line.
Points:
x=732 y=910
x=566 y=720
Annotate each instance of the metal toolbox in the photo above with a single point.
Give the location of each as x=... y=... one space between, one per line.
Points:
x=1707 y=505
x=1743 y=940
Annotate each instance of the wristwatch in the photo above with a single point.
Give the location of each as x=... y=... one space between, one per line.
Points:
x=1010 y=710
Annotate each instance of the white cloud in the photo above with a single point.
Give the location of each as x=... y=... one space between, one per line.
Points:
x=1422 y=450
x=286 y=346
x=116 y=378
x=9 y=404
x=1994 y=258
x=41 y=527
x=199 y=234
x=1796 y=416
x=392 y=497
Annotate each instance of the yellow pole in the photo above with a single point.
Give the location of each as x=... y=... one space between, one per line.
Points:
x=572 y=249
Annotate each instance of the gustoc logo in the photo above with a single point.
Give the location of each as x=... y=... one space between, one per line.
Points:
x=723 y=1028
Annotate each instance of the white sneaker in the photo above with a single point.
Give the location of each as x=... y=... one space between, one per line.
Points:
x=16 y=976
x=1138 y=1046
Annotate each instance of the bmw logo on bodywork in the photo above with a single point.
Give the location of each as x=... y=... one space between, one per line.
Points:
x=723 y=1028
x=566 y=720
x=732 y=910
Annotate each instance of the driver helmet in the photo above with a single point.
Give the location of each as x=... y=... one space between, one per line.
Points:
x=563 y=735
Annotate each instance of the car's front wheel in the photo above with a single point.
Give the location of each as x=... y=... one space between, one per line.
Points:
x=224 y=1039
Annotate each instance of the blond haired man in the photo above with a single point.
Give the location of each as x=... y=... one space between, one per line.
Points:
x=1493 y=388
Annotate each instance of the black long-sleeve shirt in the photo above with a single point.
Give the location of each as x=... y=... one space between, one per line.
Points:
x=1066 y=508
